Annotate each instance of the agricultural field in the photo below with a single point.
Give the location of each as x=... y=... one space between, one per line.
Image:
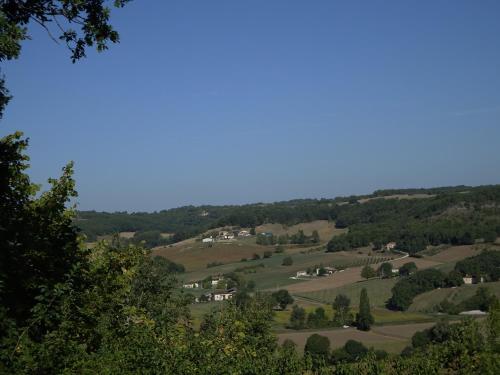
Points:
x=381 y=315
x=379 y=291
x=349 y=276
x=274 y=275
x=390 y=338
x=426 y=302
x=325 y=228
x=195 y=255
x=454 y=253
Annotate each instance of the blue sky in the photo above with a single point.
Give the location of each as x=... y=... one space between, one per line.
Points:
x=243 y=101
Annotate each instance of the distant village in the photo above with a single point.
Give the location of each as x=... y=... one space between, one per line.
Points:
x=225 y=235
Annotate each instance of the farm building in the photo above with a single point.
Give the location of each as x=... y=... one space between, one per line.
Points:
x=225 y=235
x=301 y=273
x=191 y=285
x=223 y=295
x=468 y=279
x=207 y=240
x=243 y=233
x=216 y=279
x=390 y=245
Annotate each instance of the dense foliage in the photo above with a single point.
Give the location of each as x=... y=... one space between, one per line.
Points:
x=419 y=282
x=451 y=217
x=486 y=265
x=454 y=215
x=364 y=318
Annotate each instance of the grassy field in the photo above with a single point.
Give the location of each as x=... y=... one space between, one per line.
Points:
x=195 y=255
x=454 y=253
x=427 y=301
x=379 y=291
x=325 y=228
x=274 y=275
x=390 y=338
x=381 y=315
x=349 y=276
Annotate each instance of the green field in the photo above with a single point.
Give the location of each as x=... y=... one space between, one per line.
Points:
x=379 y=291
x=274 y=275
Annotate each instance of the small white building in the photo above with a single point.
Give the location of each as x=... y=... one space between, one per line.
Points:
x=191 y=285
x=225 y=235
x=243 y=233
x=216 y=279
x=207 y=240
x=390 y=246
x=395 y=271
x=301 y=273
x=223 y=295
x=473 y=279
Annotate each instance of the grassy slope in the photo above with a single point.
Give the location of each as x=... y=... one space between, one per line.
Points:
x=195 y=255
x=425 y=302
x=379 y=291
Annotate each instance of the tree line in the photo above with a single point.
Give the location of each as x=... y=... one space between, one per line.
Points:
x=484 y=265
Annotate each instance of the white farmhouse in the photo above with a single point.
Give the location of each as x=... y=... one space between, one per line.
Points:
x=207 y=240
x=467 y=279
x=216 y=279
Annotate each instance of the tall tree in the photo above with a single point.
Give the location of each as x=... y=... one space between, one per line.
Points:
x=342 y=314
x=364 y=318
x=368 y=272
x=282 y=298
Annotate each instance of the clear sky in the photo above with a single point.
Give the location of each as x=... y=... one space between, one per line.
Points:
x=244 y=101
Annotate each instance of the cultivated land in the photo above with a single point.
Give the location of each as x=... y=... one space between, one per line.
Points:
x=326 y=229
x=274 y=275
x=392 y=331
x=379 y=291
x=391 y=338
x=350 y=276
x=195 y=255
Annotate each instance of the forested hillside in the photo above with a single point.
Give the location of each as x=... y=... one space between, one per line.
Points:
x=455 y=215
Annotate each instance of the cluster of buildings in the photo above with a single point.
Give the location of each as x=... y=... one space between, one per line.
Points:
x=198 y=284
x=226 y=236
x=468 y=279
x=317 y=272
x=217 y=295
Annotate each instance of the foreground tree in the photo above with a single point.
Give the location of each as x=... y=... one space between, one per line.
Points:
x=318 y=348
x=78 y=24
x=364 y=318
x=38 y=240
